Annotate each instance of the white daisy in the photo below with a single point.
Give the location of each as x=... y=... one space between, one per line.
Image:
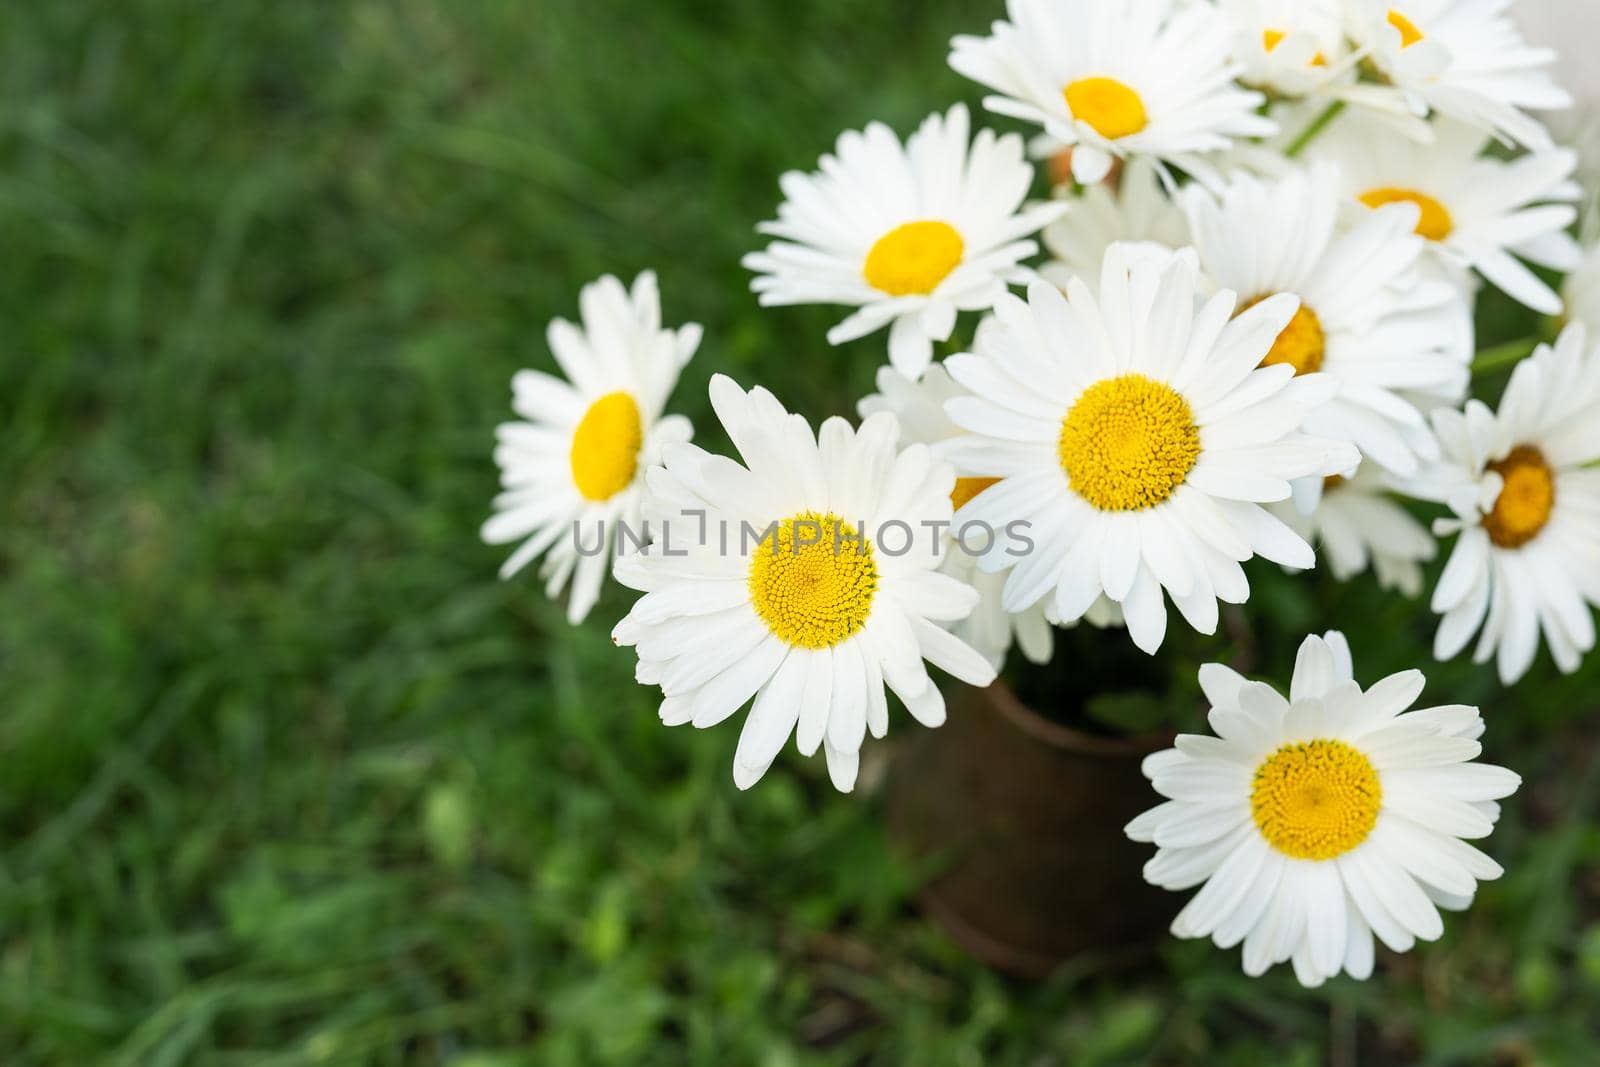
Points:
x=1115 y=80
x=991 y=629
x=1581 y=291
x=1313 y=823
x=1526 y=492
x=1476 y=212
x=1137 y=434
x=806 y=579
x=1358 y=522
x=1292 y=48
x=1134 y=209
x=1367 y=319
x=910 y=235
x=1466 y=61
x=572 y=473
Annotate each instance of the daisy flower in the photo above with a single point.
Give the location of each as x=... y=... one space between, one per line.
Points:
x=1313 y=823
x=909 y=235
x=1465 y=61
x=1292 y=48
x=1134 y=209
x=1366 y=319
x=572 y=471
x=1359 y=523
x=1526 y=493
x=1137 y=435
x=805 y=579
x=991 y=629
x=1115 y=80
x=1476 y=212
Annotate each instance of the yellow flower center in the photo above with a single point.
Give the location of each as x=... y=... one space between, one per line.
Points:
x=1435 y=223
x=1316 y=800
x=914 y=258
x=812 y=579
x=605 y=447
x=1271 y=39
x=1128 y=443
x=1527 y=500
x=1409 y=34
x=967 y=488
x=1113 y=109
x=1302 y=344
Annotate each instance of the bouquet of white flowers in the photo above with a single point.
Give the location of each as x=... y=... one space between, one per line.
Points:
x=1240 y=325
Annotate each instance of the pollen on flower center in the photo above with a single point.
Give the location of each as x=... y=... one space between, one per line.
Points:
x=605 y=447
x=1316 y=800
x=1435 y=222
x=1409 y=34
x=1302 y=344
x=967 y=488
x=914 y=258
x=1524 y=506
x=1128 y=442
x=812 y=579
x=1113 y=109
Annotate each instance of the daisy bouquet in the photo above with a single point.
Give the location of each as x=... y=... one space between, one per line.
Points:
x=1207 y=303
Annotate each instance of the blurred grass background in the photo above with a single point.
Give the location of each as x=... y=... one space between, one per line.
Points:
x=286 y=777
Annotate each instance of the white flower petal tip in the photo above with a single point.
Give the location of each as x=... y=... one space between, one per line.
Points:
x=1315 y=823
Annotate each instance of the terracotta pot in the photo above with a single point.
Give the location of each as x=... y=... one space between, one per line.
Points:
x=1023 y=819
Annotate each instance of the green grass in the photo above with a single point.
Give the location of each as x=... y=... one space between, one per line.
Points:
x=286 y=776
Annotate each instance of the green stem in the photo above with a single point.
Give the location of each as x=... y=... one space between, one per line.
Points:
x=1492 y=359
x=1311 y=132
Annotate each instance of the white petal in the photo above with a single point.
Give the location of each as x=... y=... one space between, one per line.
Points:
x=773 y=716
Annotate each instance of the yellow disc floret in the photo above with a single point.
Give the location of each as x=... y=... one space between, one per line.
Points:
x=1524 y=506
x=913 y=259
x=1302 y=344
x=967 y=488
x=1434 y=223
x=812 y=580
x=1316 y=800
x=1113 y=109
x=605 y=447
x=1409 y=34
x=1128 y=442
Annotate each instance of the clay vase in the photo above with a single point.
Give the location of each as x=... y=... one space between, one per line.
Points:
x=1022 y=820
